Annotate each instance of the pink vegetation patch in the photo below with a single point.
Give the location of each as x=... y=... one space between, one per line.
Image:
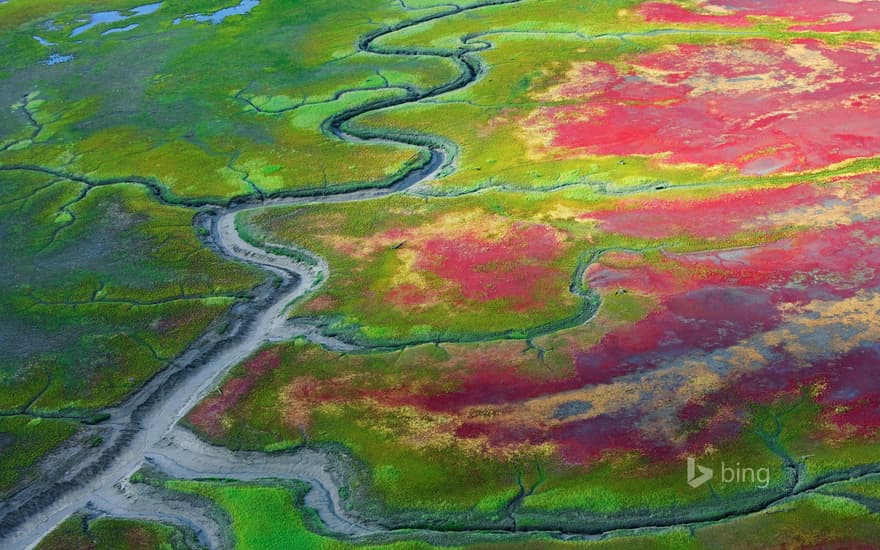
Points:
x=760 y=106
x=708 y=302
x=708 y=218
x=673 y=13
x=819 y=15
x=208 y=415
x=815 y=265
x=512 y=268
x=484 y=381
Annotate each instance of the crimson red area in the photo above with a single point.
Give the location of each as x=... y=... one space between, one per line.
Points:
x=704 y=319
x=585 y=441
x=817 y=15
x=484 y=382
x=208 y=415
x=719 y=304
x=511 y=269
x=817 y=265
x=673 y=13
x=760 y=106
x=832 y=263
x=708 y=218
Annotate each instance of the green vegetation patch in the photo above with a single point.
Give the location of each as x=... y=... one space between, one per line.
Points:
x=82 y=533
x=102 y=290
x=268 y=517
x=24 y=440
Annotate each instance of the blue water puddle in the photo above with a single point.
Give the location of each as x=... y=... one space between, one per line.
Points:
x=146 y=9
x=100 y=18
x=55 y=59
x=120 y=29
x=571 y=408
x=245 y=6
x=43 y=41
x=107 y=17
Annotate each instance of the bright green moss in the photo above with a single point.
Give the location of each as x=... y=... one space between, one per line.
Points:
x=272 y=517
x=268 y=517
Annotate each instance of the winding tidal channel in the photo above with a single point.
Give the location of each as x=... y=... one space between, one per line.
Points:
x=142 y=431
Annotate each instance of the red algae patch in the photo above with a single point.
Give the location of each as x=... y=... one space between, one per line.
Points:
x=511 y=268
x=714 y=217
x=760 y=213
x=469 y=257
x=759 y=106
x=755 y=295
x=208 y=415
x=708 y=14
x=815 y=15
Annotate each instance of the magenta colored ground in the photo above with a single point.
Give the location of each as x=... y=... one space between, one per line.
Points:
x=813 y=15
x=760 y=106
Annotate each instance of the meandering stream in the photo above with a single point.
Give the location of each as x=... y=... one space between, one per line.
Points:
x=143 y=427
